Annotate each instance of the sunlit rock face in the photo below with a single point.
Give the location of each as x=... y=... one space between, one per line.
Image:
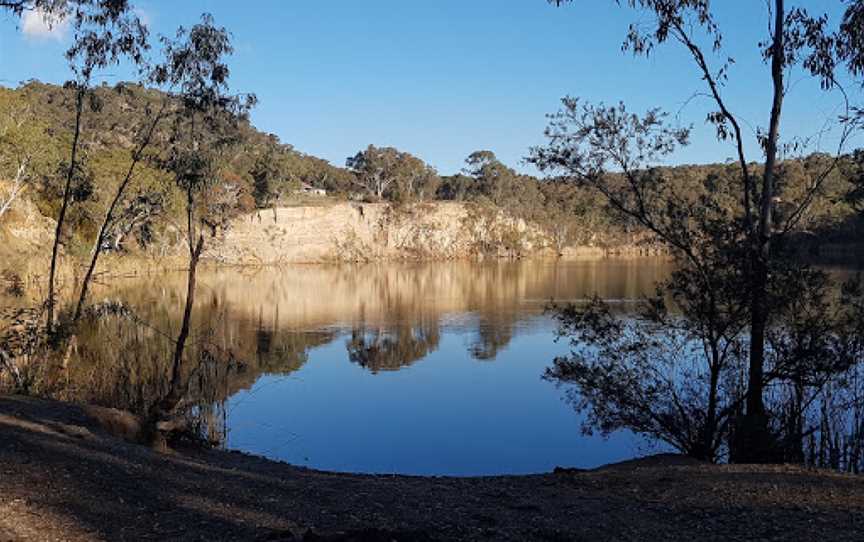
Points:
x=361 y=232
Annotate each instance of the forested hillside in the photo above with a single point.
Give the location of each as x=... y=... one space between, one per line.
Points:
x=34 y=141
x=257 y=170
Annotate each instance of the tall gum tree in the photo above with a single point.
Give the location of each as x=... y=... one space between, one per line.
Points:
x=104 y=33
x=203 y=127
x=796 y=41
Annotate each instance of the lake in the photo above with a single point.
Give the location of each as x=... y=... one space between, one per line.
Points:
x=432 y=369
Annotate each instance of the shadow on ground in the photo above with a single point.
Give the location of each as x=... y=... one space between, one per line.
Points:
x=61 y=476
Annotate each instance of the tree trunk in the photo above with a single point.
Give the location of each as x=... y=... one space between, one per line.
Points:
x=177 y=362
x=109 y=215
x=709 y=431
x=67 y=190
x=755 y=445
x=97 y=246
x=17 y=187
x=164 y=410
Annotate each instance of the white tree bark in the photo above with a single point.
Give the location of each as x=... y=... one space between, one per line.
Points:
x=17 y=187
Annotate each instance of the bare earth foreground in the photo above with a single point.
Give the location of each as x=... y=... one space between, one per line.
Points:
x=63 y=478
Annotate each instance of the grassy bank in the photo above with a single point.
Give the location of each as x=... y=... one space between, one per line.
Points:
x=63 y=477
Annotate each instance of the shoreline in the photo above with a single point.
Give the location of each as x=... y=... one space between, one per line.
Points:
x=62 y=476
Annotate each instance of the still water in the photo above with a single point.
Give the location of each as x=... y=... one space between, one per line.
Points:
x=429 y=369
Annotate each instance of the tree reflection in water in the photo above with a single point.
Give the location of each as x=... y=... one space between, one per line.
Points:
x=123 y=361
x=391 y=349
x=265 y=322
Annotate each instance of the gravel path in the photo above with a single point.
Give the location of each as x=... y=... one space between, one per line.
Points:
x=63 y=478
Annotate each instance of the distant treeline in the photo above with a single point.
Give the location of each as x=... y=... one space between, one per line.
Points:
x=259 y=171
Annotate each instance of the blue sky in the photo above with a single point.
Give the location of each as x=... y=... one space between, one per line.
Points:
x=442 y=78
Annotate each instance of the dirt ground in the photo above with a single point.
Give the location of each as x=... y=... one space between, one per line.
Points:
x=63 y=478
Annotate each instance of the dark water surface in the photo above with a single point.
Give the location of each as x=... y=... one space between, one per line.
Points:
x=415 y=369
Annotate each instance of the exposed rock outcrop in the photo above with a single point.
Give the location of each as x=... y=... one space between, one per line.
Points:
x=361 y=232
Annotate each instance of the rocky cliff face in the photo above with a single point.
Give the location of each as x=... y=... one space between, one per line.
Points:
x=355 y=232
x=25 y=240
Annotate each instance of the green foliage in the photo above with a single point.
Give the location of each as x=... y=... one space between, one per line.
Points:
x=745 y=223
x=28 y=152
x=257 y=166
x=277 y=174
x=110 y=136
x=388 y=173
x=456 y=187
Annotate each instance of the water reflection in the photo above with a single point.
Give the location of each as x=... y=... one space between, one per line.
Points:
x=394 y=347
x=306 y=348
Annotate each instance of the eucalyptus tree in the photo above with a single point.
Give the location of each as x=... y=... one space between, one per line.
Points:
x=27 y=151
x=168 y=76
x=374 y=169
x=573 y=216
x=265 y=174
x=455 y=187
x=144 y=137
x=417 y=181
x=104 y=32
x=204 y=125
x=55 y=11
x=496 y=183
x=587 y=141
x=492 y=178
x=386 y=172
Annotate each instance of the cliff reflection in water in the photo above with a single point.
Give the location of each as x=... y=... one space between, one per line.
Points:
x=249 y=323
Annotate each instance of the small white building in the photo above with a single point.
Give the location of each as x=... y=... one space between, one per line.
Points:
x=307 y=189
